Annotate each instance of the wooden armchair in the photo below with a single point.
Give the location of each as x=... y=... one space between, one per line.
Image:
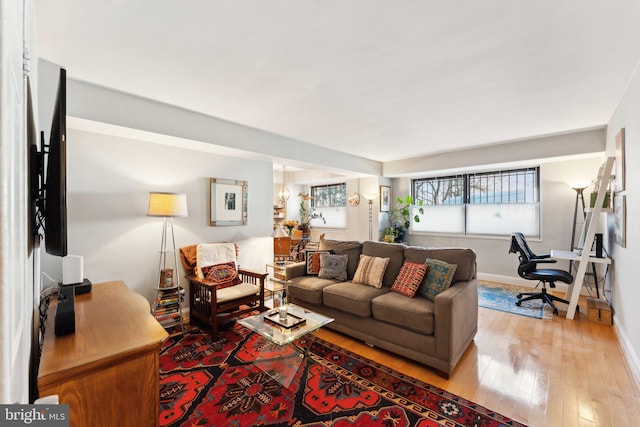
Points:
x=212 y=306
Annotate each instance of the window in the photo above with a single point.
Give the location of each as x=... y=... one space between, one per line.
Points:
x=496 y=203
x=331 y=201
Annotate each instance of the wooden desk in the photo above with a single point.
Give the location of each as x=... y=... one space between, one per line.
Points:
x=108 y=370
x=573 y=291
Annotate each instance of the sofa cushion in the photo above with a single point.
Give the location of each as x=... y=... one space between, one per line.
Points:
x=353 y=298
x=465 y=259
x=351 y=248
x=371 y=270
x=333 y=266
x=415 y=314
x=438 y=278
x=393 y=251
x=409 y=279
x=308 y=288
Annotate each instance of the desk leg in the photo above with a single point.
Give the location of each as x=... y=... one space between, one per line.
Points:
x=573 y=291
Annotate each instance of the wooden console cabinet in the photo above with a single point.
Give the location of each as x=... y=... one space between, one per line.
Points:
x=108 y=370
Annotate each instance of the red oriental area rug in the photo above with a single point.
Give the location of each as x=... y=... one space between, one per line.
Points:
x=215 y=382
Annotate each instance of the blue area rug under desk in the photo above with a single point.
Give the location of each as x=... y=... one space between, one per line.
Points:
x=503 y=298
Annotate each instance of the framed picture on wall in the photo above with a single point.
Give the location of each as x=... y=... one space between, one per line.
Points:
x=385 y=198
x=227 y=202
x=620 y=172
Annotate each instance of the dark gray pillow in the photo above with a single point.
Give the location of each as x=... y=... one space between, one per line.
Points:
x=333 y=266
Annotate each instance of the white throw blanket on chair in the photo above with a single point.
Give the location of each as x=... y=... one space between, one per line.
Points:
x=213 y=254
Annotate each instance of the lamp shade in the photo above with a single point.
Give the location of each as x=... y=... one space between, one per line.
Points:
x=167 y=204
x=279 y=231
x=370 y=196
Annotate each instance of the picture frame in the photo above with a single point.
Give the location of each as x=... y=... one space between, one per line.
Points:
x=385 y=198
x=620 y=166
x=620 y=214
x=228 y=202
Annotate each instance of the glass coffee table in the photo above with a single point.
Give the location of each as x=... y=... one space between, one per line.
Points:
x=298 y=323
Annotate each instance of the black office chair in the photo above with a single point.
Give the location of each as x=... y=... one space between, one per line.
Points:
x=528 y=269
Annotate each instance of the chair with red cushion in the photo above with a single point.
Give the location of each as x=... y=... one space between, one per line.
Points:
x=219 y=290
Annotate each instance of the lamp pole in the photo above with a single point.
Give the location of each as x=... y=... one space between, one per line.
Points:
x=370 y=198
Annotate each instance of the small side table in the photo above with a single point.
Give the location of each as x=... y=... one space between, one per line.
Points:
x=277 y=280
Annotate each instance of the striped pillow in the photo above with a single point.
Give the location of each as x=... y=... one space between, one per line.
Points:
x=370 y=270
x=409 y=278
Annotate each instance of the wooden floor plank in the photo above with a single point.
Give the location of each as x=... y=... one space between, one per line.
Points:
x=540 y=372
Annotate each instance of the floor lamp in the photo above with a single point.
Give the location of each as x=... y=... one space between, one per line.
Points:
x=168 y=206
x=370 y=198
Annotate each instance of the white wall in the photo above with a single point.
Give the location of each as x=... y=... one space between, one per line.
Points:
x=624 y=286
x=16 y=283
x=109 y=179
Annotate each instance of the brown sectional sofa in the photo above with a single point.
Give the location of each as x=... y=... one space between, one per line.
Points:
x=435 y=333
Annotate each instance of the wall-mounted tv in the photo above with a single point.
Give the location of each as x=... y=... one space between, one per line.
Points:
x=51 y=201
x=55 y=230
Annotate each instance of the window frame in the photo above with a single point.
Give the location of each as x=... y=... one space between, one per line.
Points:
x=341 y=206
x=531 y=202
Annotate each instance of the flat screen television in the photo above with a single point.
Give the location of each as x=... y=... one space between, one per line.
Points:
x=55 y=187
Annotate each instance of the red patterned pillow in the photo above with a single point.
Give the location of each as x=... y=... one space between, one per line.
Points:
x=223 y=275
x=409 y=278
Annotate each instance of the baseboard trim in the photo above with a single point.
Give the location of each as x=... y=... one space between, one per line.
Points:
x=633 y=362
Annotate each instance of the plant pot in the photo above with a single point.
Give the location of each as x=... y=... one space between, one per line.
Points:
x=306 y=230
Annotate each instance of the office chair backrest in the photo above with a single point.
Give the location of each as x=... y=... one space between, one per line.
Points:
x=519 y=245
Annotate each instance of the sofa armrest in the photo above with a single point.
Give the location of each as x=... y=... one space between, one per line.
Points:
x=295 y=270
x=456 y=319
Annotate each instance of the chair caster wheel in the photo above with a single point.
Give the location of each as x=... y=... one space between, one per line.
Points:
x=518 y=303
x=577 y=309
x=555 y=311
x=519 y=296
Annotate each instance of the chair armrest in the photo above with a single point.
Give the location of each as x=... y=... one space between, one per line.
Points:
x=247 y=276
x=203 y=282
x=253 y=277
x=251 y=273
x=543 y=256
x=543 y=261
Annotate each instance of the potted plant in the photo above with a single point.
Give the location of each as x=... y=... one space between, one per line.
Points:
x=308 y=213
x=400 y=218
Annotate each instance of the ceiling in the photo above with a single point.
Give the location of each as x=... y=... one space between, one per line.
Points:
x=383 y=80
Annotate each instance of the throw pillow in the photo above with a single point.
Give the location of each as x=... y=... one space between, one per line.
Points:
x=409 y=278
x=313 y=261
x=438 y=278
x=333 y=266
x=222 y=275
x=370 y=270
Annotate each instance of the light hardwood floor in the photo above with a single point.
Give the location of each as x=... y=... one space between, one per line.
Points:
x=539 y=372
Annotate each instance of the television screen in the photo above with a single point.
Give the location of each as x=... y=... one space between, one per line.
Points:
x=55 y=223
